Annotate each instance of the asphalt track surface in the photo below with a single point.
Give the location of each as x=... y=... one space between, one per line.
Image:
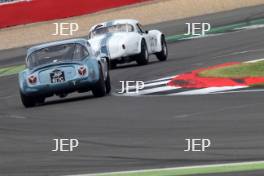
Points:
x=127 y=133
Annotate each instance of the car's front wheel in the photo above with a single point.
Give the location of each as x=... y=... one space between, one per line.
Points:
x=163 y=54
x=27 y=101
x=143 y=57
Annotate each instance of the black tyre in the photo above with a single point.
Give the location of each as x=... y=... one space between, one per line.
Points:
x=40 y=100
x=143 y=57
x=163 y=55
x=108 y=83
x=27 y=101
x=113 y=64
x=99 y=89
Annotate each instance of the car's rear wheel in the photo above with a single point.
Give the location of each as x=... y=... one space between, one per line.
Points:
x=40 y=100
x=163 y=55
x=108 y=83
x=28 y=101
x=143 y=57
x=100 y=89
x=113 y=64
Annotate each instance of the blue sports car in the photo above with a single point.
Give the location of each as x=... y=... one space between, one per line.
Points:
x=59 y=68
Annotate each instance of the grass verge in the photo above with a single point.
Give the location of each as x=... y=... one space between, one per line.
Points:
x=181 y=171
x=11 y=70
x=237 y=71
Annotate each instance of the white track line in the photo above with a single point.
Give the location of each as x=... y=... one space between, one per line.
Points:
x=202 y=36
x=151 y=84
x=153 y=90
x=156 y=83
x=162 y=79
x=255 y=26
x=208 y=90
x=164 y=83
x=13 y=2
x=174 y=168
x=240 y=91
x=254 y=61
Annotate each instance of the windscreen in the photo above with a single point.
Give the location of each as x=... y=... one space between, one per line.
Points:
x=112 y=29
x=58 y=53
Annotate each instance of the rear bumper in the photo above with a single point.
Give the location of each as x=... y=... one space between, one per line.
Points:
x=84 y=84
x=122 y=54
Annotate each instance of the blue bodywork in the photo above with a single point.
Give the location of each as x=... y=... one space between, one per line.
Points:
x=72 y=80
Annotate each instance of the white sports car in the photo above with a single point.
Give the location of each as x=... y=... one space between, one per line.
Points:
x=124 y=41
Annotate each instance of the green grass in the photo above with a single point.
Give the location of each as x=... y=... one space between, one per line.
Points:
x=260 y=85
x=225 y=168
x=11 y=70
x=236 y=71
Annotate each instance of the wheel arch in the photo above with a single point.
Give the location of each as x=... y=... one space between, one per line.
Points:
x=100 y=66
x=158 y=35
x=22 y=81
